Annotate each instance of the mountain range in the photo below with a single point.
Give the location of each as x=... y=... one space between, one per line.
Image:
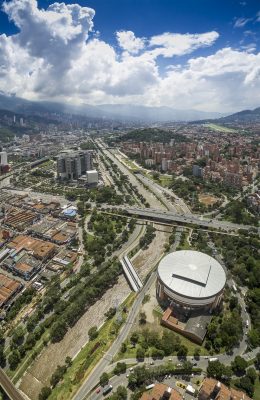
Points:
x=119 y=112
x=123 y=112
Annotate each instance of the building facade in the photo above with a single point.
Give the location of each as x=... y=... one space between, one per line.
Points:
x=72 y=164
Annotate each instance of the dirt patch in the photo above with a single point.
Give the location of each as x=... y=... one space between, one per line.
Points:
x=208 y=199
x=151 y=305
x=39 y=374
x=145 y=260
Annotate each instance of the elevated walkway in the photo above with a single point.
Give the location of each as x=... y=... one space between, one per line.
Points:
x=131 y=274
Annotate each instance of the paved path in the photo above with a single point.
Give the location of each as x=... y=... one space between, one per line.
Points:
x=9 y=387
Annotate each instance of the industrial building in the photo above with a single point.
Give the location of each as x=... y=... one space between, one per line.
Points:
x=19 y=219
x=190 y=285
x=40 y=249
x=8 y=289
x=72 y=164
x=55 y=230
x=21 y=263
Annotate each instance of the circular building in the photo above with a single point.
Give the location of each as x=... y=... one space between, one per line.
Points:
x=191 y=280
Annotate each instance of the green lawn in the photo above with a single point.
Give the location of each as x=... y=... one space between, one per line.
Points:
x=165 y=180
x=257 y=390
x=131 y=351
x=220 y=128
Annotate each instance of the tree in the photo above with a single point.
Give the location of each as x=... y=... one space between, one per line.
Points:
x=93 y=333
x=58 y=331
x=104 y=378
x=140 y=353
x=257 y=360
x=157 y=353
x=197 y=352
x=120 y=368
x=142 y=318
x=2 y=356
x=183 y=351
x=111 y=312
x=120 y=394
x=187 y=367
x=58 y=375
x=251 y=374
x=68 y=361
x=246 y=384
x=14 y=359
x=123 y=347
x=45 y=393
x=134 y=338
x=233 y=302
x=239 y=365
x=216 y=369
x=18 y=337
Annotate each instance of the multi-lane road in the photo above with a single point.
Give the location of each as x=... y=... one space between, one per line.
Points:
x=170 y=217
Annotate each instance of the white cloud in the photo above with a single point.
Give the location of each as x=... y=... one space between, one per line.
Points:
x=53 y=56
x=241 y=22
x=227 y=80
x=129 y=42
x=258 y=16
x=175 y=44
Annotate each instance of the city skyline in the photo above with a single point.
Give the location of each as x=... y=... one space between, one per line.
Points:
x=186 y=56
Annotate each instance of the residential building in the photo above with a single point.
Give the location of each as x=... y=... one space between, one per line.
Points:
x=161 y=392
x=211 y=389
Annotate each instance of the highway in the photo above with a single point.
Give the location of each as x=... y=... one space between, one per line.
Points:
x=171 y=201
x=150 y=197
x=9 y=387
x=104 y=363
x=170 y=217
x=93 y=378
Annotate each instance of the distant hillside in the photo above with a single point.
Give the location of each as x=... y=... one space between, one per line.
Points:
x=8 y=129
x=113 y=112
x=245 y=116
x=151 y=134
x=154 y=114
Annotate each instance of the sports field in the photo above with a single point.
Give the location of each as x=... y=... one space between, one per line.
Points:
x=220 y=128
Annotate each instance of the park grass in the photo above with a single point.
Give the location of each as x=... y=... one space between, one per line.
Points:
x=87 y=359
x=131 y=351
x=220 y=128
x=130 y=164
x=257 y=389
x=165 y=180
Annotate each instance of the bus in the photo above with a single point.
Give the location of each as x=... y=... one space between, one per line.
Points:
x=212 y=359
x=107 y=389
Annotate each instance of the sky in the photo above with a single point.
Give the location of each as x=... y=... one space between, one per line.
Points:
x=184 y=54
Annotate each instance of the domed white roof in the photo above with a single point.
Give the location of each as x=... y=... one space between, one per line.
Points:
x=192 y=274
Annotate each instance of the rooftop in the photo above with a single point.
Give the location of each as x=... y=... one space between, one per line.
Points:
x=192 y=274
x=161 y=391
x=211 y=387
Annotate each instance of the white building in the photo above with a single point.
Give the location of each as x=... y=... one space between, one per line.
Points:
x=190 y=280
x=92 y=177
x=3 y=158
